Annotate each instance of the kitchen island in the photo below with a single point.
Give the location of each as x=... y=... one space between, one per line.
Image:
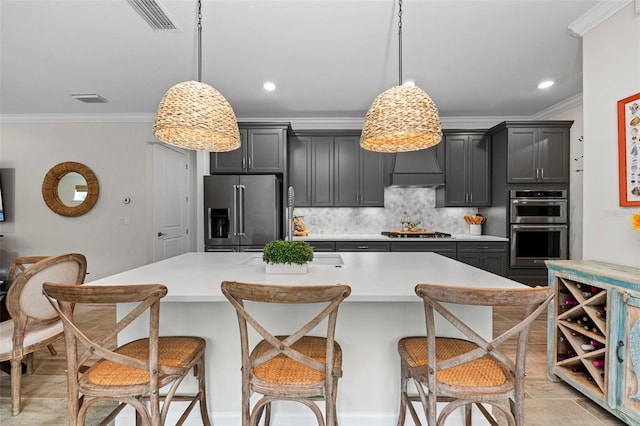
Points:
x=382 y=308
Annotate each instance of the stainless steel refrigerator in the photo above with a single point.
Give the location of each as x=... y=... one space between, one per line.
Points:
x=242 y=212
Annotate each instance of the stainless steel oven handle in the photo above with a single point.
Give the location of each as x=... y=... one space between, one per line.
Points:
x=539 y=227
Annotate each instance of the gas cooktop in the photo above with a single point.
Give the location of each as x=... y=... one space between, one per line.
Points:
x=409 y=234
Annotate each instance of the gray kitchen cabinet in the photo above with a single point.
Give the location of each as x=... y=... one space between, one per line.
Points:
x=322 y=246
x=331 y=170
x=538 y=155
x=362 y=246
x=490 y=256
x=467 y=171
x=359 y=174
x=444 y=248
x=262 y=150
x=311 y=170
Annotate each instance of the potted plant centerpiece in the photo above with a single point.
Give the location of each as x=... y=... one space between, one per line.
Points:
x=287 y=257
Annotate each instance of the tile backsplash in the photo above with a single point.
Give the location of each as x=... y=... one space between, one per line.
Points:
x=418 y=203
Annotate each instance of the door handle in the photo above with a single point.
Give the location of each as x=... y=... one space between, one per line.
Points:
x=235 y=208
x=161 y=234
x=618 y=351
x=241 y=210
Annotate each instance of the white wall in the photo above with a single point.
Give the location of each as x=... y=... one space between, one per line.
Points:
x=611 y=72
x=117 y=154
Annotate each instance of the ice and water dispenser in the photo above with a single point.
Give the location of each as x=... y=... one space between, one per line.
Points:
x=218 y=223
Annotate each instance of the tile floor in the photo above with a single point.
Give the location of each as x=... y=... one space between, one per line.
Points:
x=547 y=403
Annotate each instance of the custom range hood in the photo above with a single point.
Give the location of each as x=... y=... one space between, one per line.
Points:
x=423 y=168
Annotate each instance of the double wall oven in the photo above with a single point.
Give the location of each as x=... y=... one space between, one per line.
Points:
x=539 y=227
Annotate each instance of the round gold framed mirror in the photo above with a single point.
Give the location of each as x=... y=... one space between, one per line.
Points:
x=70 y=189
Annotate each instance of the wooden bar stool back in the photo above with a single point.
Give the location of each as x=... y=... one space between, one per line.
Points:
x=34 y=325
x=133 y=372
x=296 y=366
x=471 y=370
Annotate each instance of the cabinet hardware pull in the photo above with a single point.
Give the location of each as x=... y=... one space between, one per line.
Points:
x=620 y=346
x=249 y=163
x=363 y=247
x=244 y=162
x=541 y=173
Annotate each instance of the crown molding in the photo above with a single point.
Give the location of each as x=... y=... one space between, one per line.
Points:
x=558 y=108
x=297 y=123
x=76 y=118
x=598 y=14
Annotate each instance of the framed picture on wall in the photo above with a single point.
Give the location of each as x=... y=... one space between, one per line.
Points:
x=629 y=150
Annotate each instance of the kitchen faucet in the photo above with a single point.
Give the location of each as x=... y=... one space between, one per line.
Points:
x=290 y=225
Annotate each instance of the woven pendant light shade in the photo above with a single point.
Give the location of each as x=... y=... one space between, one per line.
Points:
x=194 y=115
x=403 y=118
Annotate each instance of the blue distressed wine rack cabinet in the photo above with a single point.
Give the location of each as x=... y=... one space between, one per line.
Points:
x=593 y=333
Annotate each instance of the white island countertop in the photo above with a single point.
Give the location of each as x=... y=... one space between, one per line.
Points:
x=373 y=276
x=380 y=237
x=381 y=309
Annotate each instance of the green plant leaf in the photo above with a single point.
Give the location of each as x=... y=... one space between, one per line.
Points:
x=298 y=252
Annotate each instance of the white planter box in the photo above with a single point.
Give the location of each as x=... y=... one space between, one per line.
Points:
x=285 y=268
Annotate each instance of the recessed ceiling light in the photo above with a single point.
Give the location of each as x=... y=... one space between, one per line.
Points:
x=269 y=86
x=545 y=84
x=89 y=98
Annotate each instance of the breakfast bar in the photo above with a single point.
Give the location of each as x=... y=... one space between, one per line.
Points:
x=382 y=308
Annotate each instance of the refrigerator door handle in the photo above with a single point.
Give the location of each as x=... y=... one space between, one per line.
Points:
x=235 y=209
x=241 y=210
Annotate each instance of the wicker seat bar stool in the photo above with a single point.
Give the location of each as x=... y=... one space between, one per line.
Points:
x=34 y=325
x=133 y=373
x=470 y=370
x=296 y=366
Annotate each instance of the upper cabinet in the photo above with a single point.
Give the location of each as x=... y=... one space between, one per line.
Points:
x=536 y=152
x=467 y=171
x=263 y=150
x=328 y=169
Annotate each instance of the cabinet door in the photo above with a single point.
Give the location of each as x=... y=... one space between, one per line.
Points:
x=232 y=161
x=371 y=187
x=627 y=356
x=444 y=248
x=265 y=150
x=456 y=165
x=521 y=161
x=300 y=170
x=470 y=259
x=326 y=246
x=553 y=155
x=362 y=246
x=346 y=171
x=479 y=171
x=322 y=171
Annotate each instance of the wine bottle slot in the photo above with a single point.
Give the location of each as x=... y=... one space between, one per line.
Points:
x=598 y=363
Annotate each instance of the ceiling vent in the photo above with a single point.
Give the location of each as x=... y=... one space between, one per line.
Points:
x=89 y=98
x=154 y=14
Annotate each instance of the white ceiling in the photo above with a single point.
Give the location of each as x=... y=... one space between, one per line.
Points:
x=328 y=58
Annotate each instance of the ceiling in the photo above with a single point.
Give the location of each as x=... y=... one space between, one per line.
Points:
x=328 y=58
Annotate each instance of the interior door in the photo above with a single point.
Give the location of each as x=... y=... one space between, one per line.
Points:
x=170 y=202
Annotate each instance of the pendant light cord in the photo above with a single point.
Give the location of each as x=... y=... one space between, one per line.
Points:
x=400 y=43
x=200 y=41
